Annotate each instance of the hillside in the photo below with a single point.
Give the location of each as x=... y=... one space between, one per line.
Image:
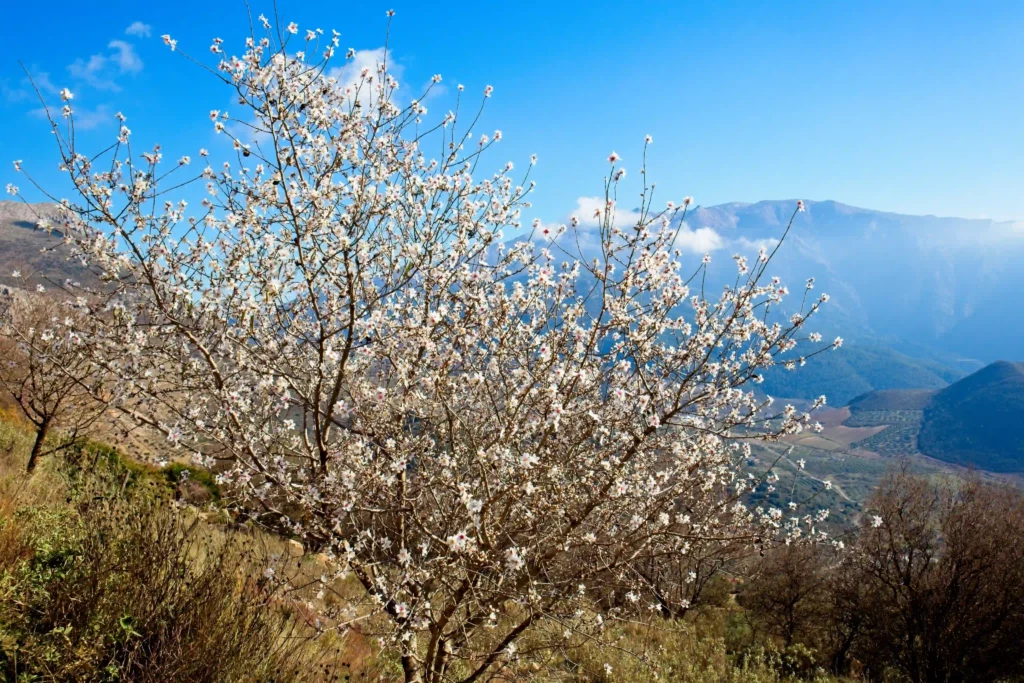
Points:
x=25 y=248
x=855 y=370
x=896 y=399
x=977 y=420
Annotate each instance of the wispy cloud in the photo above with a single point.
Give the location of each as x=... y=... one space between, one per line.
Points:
x=700 y=240
x=100 y=70
x=84 y=118
x=125 y=56
x=746 y=245
x=590 y=210
x=139 y=29
x=92 y=71
x=24 y=91
x=43 y=82
x=12 y=95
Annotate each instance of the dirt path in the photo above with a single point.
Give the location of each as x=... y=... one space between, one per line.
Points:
x=785 y=456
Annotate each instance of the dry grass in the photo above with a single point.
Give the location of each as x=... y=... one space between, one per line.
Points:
x=103 y=577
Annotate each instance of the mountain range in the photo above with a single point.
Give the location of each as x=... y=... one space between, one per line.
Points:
x=33 y=252
x=926 y=286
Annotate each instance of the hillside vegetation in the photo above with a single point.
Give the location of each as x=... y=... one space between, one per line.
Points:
x=973 y=422
x=893 y=399
x=104 y=577
x=977 y=421
x=856 y=370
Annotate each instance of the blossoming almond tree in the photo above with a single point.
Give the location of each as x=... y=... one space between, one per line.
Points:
x=495 y=435
x=46 y=370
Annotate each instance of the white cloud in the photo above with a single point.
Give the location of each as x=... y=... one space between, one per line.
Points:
x=587 y=206
x=100 y=70
x=746 y=245
x=137 y=28
x=91 y=71
x=12 y=95
x=247 y=133
x=126 y=58
x=85 y=118
x=351 y=72
x=43 y=82
x=25 y=90
x=701 y=240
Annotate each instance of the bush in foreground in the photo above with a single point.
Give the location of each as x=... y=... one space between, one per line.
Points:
x=130 y=587
x=931 y=589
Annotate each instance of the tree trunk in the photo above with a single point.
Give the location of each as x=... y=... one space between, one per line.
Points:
x=37 y=447
x=411 y=671
x=410 y=667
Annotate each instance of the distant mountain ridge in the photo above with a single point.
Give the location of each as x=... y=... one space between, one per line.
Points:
x=895 y=280
x=855 y=370
x=921 y=300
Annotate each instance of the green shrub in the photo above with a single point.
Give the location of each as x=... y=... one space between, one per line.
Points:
x=132 y=589
x=181 y=475
x=687 y=651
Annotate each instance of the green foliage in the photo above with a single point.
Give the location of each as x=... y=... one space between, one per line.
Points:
x=689 y=651
x=974 y=421
x=180 y=474
x=891 y=400
x=94 y=462
x=899 y=438
x=129 y=591
x=113 y=582
x=12 y=438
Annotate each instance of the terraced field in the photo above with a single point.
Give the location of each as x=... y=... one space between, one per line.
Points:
x=897 y=438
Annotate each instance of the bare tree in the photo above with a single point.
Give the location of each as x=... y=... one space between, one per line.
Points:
x=944 y=572
x=787 y=593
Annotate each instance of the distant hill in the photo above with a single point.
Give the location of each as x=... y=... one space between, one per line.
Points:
x=26 y=248
x=979 y=420
x=853 y=370
x=894 y=399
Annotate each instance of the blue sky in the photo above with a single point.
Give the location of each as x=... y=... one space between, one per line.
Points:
x=905 y=106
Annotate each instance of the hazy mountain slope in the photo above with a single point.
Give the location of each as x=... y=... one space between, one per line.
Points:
x=852 y=370
x=927 y=281
x=978 y=420
x=25 y=248
x=892 y=399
